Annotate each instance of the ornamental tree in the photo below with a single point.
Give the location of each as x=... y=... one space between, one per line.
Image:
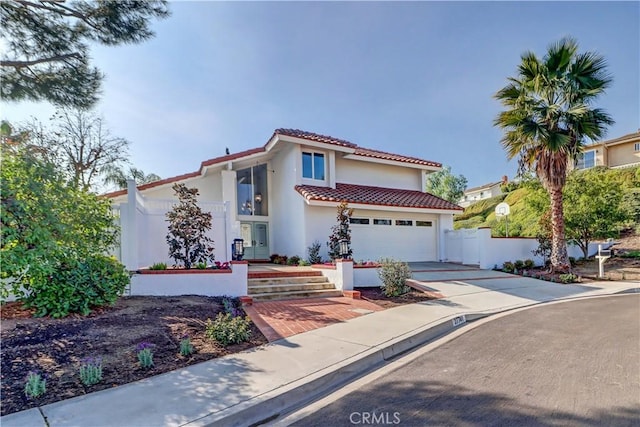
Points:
x=593 y=207
x=340 y=231
x=446 y=185
x=188 y=227
x=53 y=236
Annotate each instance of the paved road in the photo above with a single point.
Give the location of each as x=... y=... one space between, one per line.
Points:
x=574 y=363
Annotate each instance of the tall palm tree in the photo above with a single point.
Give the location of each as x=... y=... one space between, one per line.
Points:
x=548 y=116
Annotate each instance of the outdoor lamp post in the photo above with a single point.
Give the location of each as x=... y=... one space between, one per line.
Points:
x=238 y=246
x=344 y=248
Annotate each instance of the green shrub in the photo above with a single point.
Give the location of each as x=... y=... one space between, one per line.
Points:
x=227 y=329
x=273 y=257
x=313 y=252
x=201 y=266
x=529 y=264
x=508 y=267
x=294 y=260
x=393 y=275
x=158 y=266
x=631 y=254
x=303 y=263
x=568 y=278
x=518 y=264
x=75 y=286
x=186 y=348
x=572 y=261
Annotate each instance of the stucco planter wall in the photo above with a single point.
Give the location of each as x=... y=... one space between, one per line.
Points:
x=232 y=282
x=366 y=276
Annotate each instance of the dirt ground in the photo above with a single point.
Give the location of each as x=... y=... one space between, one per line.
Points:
x=55 y=347
x=615 y=268
x=376 y=296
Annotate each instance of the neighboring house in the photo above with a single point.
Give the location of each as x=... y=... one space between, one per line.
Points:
x=487 y=191
x=283 y=196
x=614 y=153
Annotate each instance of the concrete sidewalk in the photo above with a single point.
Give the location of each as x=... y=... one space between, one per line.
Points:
x=256 y=385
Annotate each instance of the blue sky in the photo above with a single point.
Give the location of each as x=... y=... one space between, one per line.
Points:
x=414 y=78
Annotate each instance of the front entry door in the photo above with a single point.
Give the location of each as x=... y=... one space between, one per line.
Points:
x=256 y=239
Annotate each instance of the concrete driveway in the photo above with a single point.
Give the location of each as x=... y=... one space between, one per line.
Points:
x=456 y=280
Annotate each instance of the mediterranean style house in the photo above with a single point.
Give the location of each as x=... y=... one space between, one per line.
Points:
x=282 y=196
x=619 y=152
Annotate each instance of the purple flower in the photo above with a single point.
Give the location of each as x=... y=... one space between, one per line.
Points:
x=144 y=345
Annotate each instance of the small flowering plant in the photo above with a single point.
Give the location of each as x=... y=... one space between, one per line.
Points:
x=231 y=307
x=186 y=348
x=91 y=371
x=36 y=385
x=145 y=354
x=222 y=265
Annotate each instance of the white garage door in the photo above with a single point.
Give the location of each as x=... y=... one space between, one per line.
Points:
x=406 y=239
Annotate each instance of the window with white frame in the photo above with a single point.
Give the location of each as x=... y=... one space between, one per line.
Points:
x=313 y=165
x=636 y=146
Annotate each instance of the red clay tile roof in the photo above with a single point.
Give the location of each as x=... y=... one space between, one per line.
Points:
x=297 y=133
x=398 y=158
x=365 y=152
x=378 y=196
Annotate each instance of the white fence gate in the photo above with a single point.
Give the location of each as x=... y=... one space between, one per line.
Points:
x=144 y=228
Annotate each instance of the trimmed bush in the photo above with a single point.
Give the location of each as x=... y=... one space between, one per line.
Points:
x=518 y=265
x=393 y=275
x=508 y=267
x=77 y=285
x=227 y=329
x=529 y=264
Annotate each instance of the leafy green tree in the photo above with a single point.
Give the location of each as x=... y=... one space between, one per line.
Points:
x=188 y=225
x=547 y=119
x=118 y=176
x=47 y=45
x=340 y=231
x=593 y=207
x=49 y=226
x=446 y=185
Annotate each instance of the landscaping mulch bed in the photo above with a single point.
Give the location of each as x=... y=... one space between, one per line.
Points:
x=376 y=296
x=55 y=347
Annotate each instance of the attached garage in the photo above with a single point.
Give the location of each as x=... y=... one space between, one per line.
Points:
x=387 y=223
x=380 y=234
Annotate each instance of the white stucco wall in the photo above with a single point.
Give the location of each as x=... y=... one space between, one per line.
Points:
x=376 y=174
x=287 y=229
x=209 y=188
x=372 y=242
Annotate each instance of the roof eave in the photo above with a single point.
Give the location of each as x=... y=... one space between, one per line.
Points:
x=379 y=207
x=404 y=164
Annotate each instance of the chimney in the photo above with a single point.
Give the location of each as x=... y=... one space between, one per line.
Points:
x=505 y=179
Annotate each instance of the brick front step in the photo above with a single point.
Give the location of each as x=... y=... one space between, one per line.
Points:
x=280 y=274
x=287 y=280
x=289 y=287
x=323 y=293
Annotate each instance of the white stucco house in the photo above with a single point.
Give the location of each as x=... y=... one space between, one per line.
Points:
x=282 y=196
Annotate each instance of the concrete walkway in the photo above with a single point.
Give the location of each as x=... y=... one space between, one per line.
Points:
x=249 y=387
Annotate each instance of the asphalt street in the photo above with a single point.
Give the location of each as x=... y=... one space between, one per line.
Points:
x=573 y=363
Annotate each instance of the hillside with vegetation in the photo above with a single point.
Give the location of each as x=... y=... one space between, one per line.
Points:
x=528 y=202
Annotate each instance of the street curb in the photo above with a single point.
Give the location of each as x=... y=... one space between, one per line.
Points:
x=271 y=405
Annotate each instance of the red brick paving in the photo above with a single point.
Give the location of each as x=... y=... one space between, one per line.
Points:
x=282 y=319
